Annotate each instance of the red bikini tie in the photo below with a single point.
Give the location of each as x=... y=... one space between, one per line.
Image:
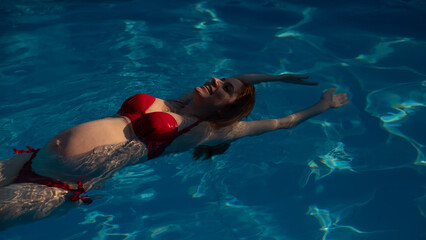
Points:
x=28 y=174
x=30 y=150
x=80 y=190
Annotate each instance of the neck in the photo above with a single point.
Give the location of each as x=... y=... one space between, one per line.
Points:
x=192 y=110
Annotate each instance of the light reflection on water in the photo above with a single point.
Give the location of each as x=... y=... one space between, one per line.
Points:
x=329 y=222
x=394 y=105
x=336 y=159
x=233 y=196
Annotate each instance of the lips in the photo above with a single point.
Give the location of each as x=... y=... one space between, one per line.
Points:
x=209 y=89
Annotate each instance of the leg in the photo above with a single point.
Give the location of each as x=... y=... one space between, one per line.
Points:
x=25 y=202
x=9 y=168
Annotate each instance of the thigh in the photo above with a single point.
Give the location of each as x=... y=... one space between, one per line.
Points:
x=9 y=168
x=26 y=202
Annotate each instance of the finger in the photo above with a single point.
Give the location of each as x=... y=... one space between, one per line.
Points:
x=341 y=96
x=345 y=103
x=331 y=90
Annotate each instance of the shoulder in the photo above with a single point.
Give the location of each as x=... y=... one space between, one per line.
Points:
x=219 y=135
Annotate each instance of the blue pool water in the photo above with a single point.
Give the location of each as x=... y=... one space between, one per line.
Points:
x=353 y=173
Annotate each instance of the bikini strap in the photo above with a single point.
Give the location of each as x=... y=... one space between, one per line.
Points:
x=80 y=190
x=30 y=150
x=27 y=173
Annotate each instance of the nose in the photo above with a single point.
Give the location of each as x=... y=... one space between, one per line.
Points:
x=216 y=82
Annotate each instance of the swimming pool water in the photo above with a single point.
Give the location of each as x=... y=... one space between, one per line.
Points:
x=353 y=173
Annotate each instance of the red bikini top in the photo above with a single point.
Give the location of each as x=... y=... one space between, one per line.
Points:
x=157 y=129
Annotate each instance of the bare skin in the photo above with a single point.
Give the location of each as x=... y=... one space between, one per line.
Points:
x=61 y=155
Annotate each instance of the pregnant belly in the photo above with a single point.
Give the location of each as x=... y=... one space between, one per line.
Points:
x=89 y=152
x=87 y=136
x=93 y=166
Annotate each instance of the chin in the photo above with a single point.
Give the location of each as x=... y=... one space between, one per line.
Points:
x=196 y=95
x=200 y=92
x=196 y=92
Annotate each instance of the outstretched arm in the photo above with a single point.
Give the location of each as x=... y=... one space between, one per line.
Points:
x=250 y=128
x=286 y=78
x=259 y=78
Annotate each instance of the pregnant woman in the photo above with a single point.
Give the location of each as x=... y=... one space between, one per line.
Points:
x=35 y=182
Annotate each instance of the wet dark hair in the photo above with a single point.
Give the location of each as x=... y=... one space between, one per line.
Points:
x=205 y=152
x=227 y=116
x=237 y=110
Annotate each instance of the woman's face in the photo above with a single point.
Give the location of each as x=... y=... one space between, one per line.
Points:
x=217 y=93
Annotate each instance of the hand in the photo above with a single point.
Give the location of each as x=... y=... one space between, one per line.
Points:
x=296 y=79
x=331 y=100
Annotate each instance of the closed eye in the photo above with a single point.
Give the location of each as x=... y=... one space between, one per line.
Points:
x=228 y=88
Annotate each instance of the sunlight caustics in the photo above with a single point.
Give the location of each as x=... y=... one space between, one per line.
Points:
x=328 y=221
x=335 y=159
x=66 y=62
x=395 y=105
x=289 y=32
x=106 y=226
x=381 y=50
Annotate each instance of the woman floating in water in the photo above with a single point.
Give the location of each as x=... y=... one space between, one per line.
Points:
x=36 y=182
